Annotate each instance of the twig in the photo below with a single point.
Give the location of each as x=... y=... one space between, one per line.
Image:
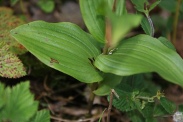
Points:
x=175 y=23
x=49 y=106
x=93 y=118
x=110 y=103
x=110 y=106
x=101 y=117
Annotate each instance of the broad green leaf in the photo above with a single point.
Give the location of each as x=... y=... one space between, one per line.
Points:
x=46 y=5
x=41 y=116
x=121 y=7
x=168 y=105
x=94 y=22
x=20 y=105
x=146 y=26
x=167 y=43
x=122 y=25
x=142 y=54
x=139 y=4
x=62 y=46
x=108 y=83
x=169 y=5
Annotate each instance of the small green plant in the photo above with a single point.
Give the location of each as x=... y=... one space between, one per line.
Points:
x=17 y=105
x=169 y=24
x=104 y=57
x=141 y=102
x=10 y=65
x=46 y=5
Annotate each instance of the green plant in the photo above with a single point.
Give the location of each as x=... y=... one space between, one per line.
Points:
x=10 y=65
x=67 y=48
x=17 y=105
x=46 y=5
x=169 y=23
x=140 y=102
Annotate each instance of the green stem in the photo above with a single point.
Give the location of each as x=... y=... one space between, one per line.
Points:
x=143 y=98
x=110 y=105
x=92 y=97
x=22 y=6
x=151 y=24
x=108 y=37
x=175 y=23
x=108 y=31
x=149 y=99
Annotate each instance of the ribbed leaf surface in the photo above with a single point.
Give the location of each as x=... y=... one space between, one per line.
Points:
x=41 y=116
x=168 y=105
x=20 y=104
x=2 y=95
x=94 y=22
x=62 y=46
x=120 y=6
x=143 y=54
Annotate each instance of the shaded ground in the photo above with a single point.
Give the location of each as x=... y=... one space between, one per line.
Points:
x=65 y=97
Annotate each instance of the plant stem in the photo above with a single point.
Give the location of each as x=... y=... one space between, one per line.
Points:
x=112 y=94
x=108 y=31
x=149 y=99
x=110 y=105
x=175 y=23
x=22 y=6
x=151 y=24
x=114 y=6
x=108 y=36
x=91 y=98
